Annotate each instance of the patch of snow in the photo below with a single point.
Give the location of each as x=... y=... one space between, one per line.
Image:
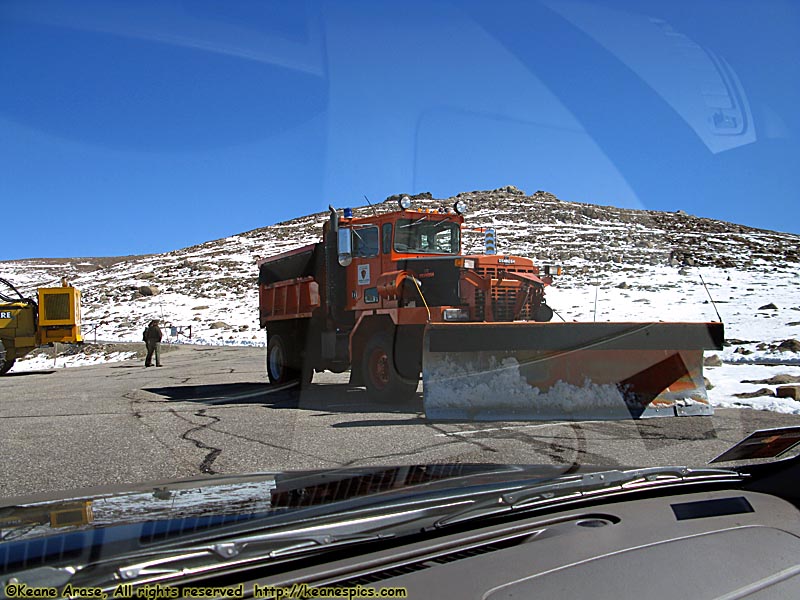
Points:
x=43 y=362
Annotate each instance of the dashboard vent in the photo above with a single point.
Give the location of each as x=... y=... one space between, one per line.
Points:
x=718 y=507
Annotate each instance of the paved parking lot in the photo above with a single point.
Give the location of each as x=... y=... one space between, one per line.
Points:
x=209 y=410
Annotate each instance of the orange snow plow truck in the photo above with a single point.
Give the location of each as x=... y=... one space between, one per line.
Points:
x=391 y=296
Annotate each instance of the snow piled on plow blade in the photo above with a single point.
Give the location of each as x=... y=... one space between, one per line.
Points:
x=566 y=371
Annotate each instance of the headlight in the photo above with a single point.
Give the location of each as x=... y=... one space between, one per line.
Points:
x=469 y=263
x=460 y=207
x=455 y=314
x=405 y=203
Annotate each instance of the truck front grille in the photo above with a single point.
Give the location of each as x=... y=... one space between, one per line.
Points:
x=504 y=296
x=56 y=307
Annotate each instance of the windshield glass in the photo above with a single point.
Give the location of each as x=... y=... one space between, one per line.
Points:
x=570 y=236
x=423 y=235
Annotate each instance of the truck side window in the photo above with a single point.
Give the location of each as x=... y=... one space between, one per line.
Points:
x=387 y=238
x=365 y=242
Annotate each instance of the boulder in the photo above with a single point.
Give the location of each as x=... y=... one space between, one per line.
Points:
x=219 y=325
x=148 y=290
x=788 y=391
x=789 y=346
x=712 y=361
x=512 y=189
x=769 y=306
x=781 y=379
x=757 y=394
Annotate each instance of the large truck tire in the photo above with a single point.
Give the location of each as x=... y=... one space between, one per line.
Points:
x=281 y=367
x=6 y=362
x=379 y=370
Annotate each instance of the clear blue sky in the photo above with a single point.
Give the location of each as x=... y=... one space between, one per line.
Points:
x=136 y=127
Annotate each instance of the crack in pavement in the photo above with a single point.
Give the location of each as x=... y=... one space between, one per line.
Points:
x=454 y=435
x=449 y=441
x=415 y=451
x=139 y=416
x=267 y=444
x=205 y=465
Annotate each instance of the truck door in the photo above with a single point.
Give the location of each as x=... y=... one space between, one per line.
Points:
x=364 y=271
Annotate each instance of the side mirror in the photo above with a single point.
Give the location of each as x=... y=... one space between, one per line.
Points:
x=345 y=246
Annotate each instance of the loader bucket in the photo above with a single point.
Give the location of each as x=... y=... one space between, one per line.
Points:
x=565 y=371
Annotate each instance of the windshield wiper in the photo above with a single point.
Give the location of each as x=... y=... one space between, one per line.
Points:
x=577 y=488
x=439 y=223
x=257 y=545
x=420 y=220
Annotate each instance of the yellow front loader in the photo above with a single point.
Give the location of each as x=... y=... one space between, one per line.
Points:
x=26 y=324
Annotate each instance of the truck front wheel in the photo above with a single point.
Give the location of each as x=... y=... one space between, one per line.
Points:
x=379 y=370
x=280 y=367
x=5 y=366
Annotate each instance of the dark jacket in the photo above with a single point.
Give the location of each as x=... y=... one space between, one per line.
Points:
x=152 y=333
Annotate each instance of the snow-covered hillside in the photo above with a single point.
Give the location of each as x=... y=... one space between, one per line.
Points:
x=636 y=265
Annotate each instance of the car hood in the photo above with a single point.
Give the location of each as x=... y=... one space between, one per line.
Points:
x=227 y=499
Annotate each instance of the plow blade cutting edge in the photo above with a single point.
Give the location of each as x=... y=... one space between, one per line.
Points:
x=566 y=371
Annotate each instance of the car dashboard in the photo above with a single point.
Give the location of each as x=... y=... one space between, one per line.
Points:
x=713 y=544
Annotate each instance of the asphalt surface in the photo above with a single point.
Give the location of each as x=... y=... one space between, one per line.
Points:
x=210 y=411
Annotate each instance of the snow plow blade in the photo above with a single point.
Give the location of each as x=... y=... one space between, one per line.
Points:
x=566 y=371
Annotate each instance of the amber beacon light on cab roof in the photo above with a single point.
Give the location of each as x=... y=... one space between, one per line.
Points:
x=392 y=296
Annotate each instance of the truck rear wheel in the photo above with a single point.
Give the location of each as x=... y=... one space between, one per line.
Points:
x=379 y=369
x=6 y=362
x=280 y=361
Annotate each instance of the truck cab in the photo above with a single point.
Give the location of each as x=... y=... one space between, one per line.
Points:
x=362 y=297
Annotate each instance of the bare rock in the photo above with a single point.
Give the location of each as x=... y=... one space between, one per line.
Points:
x=791 y=345
x=737 y=342
x=512 y=189
x=219 y=325
x=788 y=391
x=757 y=394
x=769 y=306
x=783 y=378
x=712 y=361
x=147 y=290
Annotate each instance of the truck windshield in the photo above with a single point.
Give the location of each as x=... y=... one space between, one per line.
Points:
x=424 y=235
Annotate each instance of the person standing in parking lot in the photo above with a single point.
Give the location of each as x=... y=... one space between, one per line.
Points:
x=152 y=340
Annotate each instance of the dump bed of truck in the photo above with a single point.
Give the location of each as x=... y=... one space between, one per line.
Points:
x=292 y=264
